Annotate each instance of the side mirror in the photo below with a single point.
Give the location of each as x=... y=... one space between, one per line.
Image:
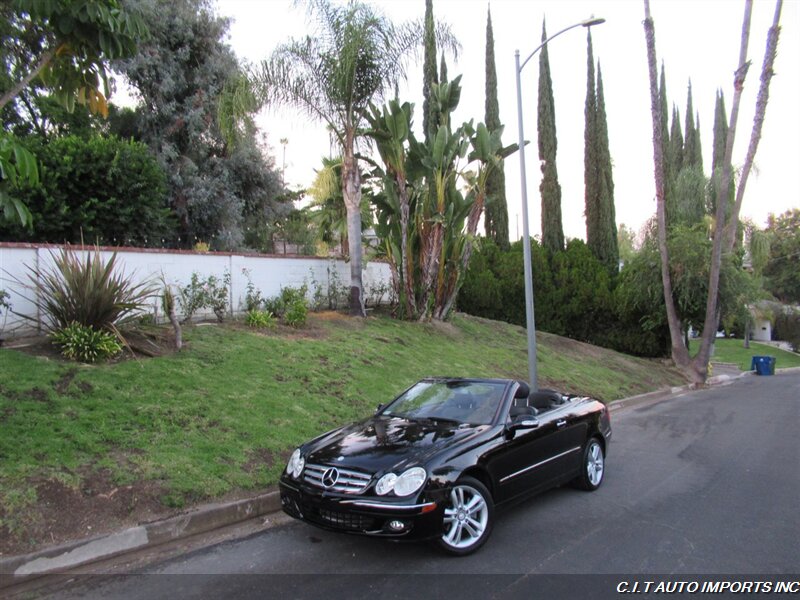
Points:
x=524 y=422
x=379 y=408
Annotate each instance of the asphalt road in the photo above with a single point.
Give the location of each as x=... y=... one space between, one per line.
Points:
x=705 y=483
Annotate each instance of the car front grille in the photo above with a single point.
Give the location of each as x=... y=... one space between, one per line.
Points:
x=346 y=481
x=345 y=520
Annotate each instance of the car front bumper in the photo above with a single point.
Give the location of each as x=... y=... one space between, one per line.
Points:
x=417 y=518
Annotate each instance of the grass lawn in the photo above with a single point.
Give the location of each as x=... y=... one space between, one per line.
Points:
x=130 y=441
x=733 y=351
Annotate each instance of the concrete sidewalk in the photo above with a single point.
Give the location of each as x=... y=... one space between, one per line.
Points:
x=68 y=557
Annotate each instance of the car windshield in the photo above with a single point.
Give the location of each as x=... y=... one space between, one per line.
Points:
x=473 y=402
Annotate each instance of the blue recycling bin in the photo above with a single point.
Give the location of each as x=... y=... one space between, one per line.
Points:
x=763 y=365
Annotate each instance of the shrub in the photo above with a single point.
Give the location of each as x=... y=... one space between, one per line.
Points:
x=205 y=293
x=253 y=299
x=787 y=329
x=332 y=296
x=86 y=291
x=85 y=343
x=280 y=304
x=296 y=313
x=260 y=319
x=101 y=188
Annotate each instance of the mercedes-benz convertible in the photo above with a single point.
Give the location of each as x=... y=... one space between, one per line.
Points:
x=436 y=461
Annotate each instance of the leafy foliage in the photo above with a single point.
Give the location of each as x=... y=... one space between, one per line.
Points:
x=200 y=293
x=86 y=290
x=17 y=166
x=782 y=272
x=86 y=344
x=426 y=224
x=260 y=319
x=787 y=328
x=103 y=189
x=216 y=191
x=290 y=305
x=68 y=45
x=353 y=56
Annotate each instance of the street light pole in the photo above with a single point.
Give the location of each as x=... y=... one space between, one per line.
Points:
x=526 y=238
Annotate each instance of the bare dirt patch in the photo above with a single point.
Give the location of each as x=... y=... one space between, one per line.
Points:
x=96 y=506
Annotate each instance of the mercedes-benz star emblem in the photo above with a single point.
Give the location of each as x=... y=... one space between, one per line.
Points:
x=330 y=477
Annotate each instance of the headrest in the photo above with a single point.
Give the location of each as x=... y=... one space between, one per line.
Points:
x=523 y=390
x=544 y=399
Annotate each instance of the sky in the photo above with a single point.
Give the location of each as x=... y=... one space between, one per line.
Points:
x=698 y=40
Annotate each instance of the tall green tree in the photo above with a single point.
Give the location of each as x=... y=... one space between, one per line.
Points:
x=496 y=213
x=696 y=368
x=718 y=157
x=601 y=228
x=608 y=248
x=354 y=57
x=669 y=174
x=429 y=75
x=180 y=75
x=692 y=149
x=591 y=172
x=675 y=152
x=550 y=189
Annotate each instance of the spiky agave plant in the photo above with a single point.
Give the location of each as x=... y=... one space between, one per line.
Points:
x=82 y=287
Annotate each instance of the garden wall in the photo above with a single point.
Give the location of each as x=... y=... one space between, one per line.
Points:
x=268 y=274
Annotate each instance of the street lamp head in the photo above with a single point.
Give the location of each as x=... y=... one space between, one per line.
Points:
x=593 y=21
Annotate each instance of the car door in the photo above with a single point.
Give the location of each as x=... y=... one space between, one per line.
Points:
x=527 y=459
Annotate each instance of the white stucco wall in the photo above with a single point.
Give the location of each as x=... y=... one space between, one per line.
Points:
x=762 y=330
x=268 y=273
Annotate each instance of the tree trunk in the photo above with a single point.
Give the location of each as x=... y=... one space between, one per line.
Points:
x=466 y=253
x=758 y=123
x=700 y=362
x=747 y=334
x=23 y=83
x=405 y=258
x=351 y=190
x=680 y=354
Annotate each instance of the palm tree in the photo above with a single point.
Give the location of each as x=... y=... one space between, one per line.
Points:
x=353 y=56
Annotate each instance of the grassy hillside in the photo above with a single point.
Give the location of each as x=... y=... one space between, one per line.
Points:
x=127 y=441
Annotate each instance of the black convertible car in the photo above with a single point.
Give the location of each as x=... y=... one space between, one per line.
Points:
x=435 y=462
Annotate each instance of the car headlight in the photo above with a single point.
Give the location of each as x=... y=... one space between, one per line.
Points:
x=404 y=485
x=296 y=464
x=385 y=484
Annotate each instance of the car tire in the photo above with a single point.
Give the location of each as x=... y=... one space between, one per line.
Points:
x=468 y=517
x=592 y=466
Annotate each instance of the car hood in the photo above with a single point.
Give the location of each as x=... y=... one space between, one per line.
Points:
x=387 y=443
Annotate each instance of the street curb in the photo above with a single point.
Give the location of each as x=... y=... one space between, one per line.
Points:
x=70 y=555
x=73 y=554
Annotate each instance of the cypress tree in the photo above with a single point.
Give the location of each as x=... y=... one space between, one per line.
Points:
x=697 y=148
x=496 y=215
x=443 y=70
x=669 y=174
x=690 y=141
x=429 y=112
x=674 y=159
x=675 y=155
x=718 y=155
x=552 y=229
x=609 y=249
x=590 y=163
